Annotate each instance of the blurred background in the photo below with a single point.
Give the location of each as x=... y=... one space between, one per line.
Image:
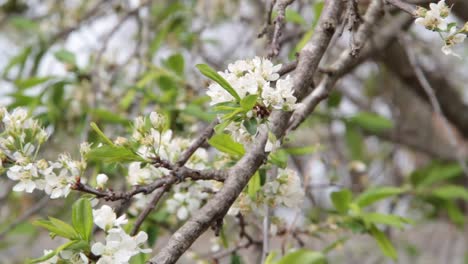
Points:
x=74 y=62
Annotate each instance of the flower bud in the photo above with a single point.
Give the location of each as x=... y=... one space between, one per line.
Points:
x=101 y=180
x=157 y=121
x=465 y=28
x=120 y=141
x=420 y=12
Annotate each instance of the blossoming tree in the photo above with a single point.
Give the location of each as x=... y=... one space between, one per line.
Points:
x=137 y=158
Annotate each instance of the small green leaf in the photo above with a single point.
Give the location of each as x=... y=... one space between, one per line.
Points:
x=251 y=125
x=31 y=82
x=271 y=257
x=299 y=151
x=113 y=154
x=248 y=102
x=390 y=220
x=65 y=56
x=176 y=63
x=108 y=116
x=451 y=192
x=383 y=242
x=294 y=17
x=341 y=200
x=375 y=194
x=254 y=185
x=354 y=142
x=82 y=218
x=303 y=256
x=101 y=134
x=225 y=143
x=371 y=122
x=235 y=259
x=279 y=158
x=435 y=173
x=213 y=75
x=57 y=227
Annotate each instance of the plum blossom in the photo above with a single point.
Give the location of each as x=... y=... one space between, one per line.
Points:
x=182 y=204
x=101 y=180
x=285 y=190
x=119 y=247
x=453 y=39
x=27 y=176
x=105 y=218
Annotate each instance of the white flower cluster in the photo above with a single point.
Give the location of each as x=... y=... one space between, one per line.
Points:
x=189 y=197
x=435 y=19
x=255 y=76
x=20 y=142
x=284 y=191
x=118 y=248
x=157 y=142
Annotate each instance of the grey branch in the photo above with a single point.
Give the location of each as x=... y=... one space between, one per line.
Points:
x=239 y=175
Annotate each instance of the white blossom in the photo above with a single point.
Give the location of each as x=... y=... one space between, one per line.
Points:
x=58 y=185
x=286 y=189
x=453 y=39
x=105 y=218
x=158 y=121
x=74 y=257
x=183 y=204
x=26 y=175
x=101 y=180
x=119 y=247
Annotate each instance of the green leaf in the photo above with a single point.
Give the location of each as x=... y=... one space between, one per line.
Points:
x=435 y=173
x=354 y=142
x=67 y=245
x=248 y=102
x=82 y=218
x=235 y=259
x=57 y=227
x=19 y=59
x=294 y=17
x=176 y=63
x=65 y=56
x=299 y=151
x=254 y=185
x=31 y=82
x=279 y=158
x=375 y=194
x=341 y=200
x=334 y=99
x=451 y=192
x=251 y=125
x=213 y=75
x=23 y=23
x=334 y=245
x=111 y=154
x=101 y=134
x=371 y=122
x=454 y=213
x=390 y=220
x=383 y=242
x=303 y=256
x=270 y=258
x=108 y=116
x=225 y=143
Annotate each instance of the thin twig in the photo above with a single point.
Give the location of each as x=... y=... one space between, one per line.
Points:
x=25 y=216
x=207 y=133
x=279 y=25
x=151 y=205
x=450 y=131
x=408 y=8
